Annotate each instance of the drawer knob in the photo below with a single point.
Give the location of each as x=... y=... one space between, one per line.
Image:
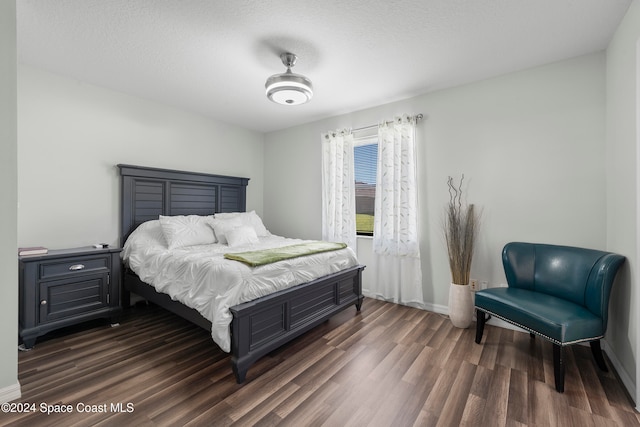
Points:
x=43 y=302
x=76 y=267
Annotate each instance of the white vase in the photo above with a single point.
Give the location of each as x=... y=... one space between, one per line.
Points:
x=460 y=305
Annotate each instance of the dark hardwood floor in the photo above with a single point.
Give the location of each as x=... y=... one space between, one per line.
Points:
x=390 y=365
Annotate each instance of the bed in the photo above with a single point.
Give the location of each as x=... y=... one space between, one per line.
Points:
x=259 y=326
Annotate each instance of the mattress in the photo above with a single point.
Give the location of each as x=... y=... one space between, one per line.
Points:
x=201 y=278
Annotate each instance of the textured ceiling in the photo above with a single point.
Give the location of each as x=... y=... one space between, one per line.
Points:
x=213 y=56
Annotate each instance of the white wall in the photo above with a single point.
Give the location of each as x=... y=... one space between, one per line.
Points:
x=623 y=121
x=531 y=145
x=71 y=136
x=9 y=387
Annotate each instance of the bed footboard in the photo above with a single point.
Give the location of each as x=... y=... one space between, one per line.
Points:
x=261 y=326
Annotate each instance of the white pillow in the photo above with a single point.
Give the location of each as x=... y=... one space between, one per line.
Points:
x=222 y=226
x=189 y=230
x=147 y=235
x=250 y=219
x=243 y=235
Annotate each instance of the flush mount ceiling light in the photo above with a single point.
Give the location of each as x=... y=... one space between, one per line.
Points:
x=289 y=88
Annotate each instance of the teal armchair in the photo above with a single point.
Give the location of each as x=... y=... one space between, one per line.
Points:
x=560 y=293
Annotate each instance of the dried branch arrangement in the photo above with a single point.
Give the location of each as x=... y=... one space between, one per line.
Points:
x=460 y=229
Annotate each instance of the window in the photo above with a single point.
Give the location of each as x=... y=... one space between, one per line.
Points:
x=365 y=156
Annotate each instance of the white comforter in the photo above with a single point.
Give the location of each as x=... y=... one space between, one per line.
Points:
x=201 y=278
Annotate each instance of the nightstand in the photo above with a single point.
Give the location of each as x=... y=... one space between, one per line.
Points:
x=65 y=287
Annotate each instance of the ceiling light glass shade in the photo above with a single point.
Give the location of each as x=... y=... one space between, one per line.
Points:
x=289 y=88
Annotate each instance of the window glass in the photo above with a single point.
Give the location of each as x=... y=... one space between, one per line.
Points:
x=365 y=161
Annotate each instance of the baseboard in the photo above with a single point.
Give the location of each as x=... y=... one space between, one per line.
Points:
x=502 y=324
x=627 y=381
x=420 y=305
x=437 y=308
x=444 y=309
x=9 y=393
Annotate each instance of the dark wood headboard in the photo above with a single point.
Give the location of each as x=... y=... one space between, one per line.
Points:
x=147 y=193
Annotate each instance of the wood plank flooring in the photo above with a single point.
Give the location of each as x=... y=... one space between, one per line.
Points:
x=390 y=365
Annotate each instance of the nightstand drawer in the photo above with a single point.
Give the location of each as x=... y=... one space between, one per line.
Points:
x=75 y=266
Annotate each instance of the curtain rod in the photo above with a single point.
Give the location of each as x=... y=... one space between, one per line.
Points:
x=417 y=117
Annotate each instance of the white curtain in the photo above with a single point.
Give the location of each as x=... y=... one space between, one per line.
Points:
x=338 y=188
x=396 y=246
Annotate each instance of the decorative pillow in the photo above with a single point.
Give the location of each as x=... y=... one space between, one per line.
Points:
x=222 y=226
x=250 y=219
x=243 y=235
x=189 y=230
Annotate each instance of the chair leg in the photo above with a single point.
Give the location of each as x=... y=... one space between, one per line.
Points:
x=558 y=367
x=480 y=319
x=597 y=354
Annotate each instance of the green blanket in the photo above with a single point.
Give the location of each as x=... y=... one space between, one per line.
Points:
x=267 y=256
